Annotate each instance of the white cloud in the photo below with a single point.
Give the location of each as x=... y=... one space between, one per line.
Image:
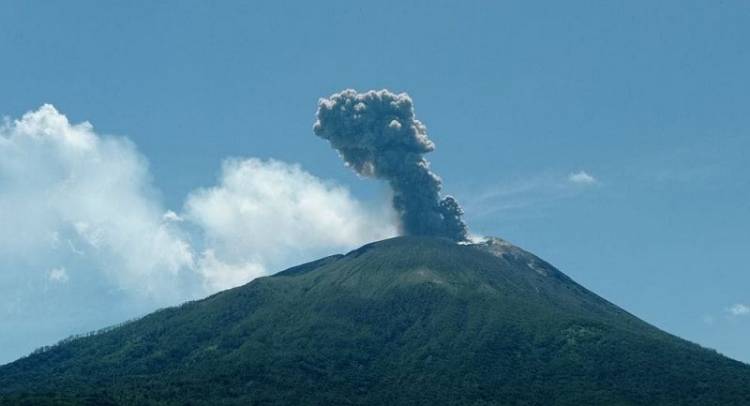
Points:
x=269 y=214
x=172 y=216
x=581 y=178
x=220 y=275
x=529 y=195
x=65 y=190
x=58 y=275
x=739 y=309
x=77 y=204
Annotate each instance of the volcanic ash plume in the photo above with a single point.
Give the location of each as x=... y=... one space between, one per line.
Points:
x=377 y=134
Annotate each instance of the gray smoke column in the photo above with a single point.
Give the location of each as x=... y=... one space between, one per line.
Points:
x=377 y=134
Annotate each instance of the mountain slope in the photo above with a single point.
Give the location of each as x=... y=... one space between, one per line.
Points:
x=410 y=320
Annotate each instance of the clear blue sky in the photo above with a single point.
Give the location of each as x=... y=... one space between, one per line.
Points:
x=649 y=99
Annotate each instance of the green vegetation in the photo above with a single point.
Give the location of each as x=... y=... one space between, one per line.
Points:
x=403 y=321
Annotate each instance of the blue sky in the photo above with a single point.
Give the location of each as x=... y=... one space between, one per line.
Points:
x=608 y=138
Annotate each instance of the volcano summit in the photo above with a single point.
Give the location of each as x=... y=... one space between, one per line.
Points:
x=409 y=320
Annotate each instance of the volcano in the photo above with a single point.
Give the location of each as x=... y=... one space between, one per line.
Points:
x=409 y=320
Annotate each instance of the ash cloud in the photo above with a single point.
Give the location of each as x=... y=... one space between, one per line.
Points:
x=378 y=135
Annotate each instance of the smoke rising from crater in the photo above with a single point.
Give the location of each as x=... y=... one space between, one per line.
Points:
x=377 y=134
